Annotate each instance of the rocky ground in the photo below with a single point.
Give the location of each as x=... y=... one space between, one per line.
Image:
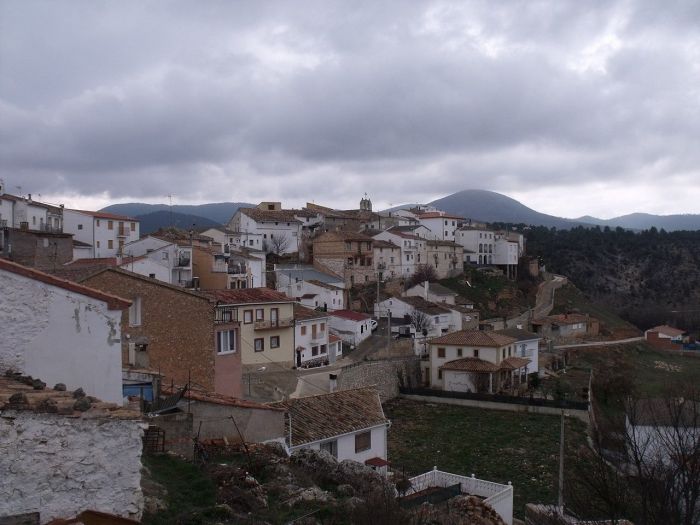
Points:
x=310 y=488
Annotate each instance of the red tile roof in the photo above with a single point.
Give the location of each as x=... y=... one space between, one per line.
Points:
x=113 y=302
x=349 y=314
x=220 y=399
x=316 y=418
x=513 y=363
x=248 y=296
x=666 y=330
x=473 y=338
x=105 y=215
x=470 y=364
x=302 y=313
x=377 y=462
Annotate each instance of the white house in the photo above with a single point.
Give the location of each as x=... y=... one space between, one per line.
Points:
x=235 y=239
x=280 y=229
x=412 y=248
x=351 y=327
x=475 y=361
x=666 y=332
x=313 y=343
x=348 y=424
x=433 y=292
x=436 y=319
x=311 y=287
x=479 y=244
x=442 y=225
x=107 y=233
x=61 y=332
x=23 y=212
x=527 y=345
x=159 y=259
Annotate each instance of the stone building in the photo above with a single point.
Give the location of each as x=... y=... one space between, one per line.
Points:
x=446 y=257
x=44 y=250
x=349 y=255
x=181 y=334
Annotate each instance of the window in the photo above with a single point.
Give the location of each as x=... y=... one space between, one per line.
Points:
x=331 y=447
x=259 y=344
x=80 y=226
x=259 y=314
x=132 y=226
x=250 y=242
x=363 y=441
x=459 y=352
x=110 y=225
x=247 y=316
x=303 y=330
x=324 y=349
x=152 y=275
x=441 y=352
x=348 y=245
x=98 y=244
x=476 y=352
x=226 y=341
x=97 y=222
x=439 y=374
x=275 y=341
x=135 y=312
x=369 y=245
x=503 y=353
x=314 y=351
x=110 y=244
x=323 y=327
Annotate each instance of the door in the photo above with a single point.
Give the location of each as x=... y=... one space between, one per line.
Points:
x=298 y=358
x=313 y=331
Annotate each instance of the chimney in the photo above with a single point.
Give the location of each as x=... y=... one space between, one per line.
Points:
x=332 y=382
x=29 y=197
x=426 y=285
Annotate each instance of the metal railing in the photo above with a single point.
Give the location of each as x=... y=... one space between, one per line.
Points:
x=273 y=325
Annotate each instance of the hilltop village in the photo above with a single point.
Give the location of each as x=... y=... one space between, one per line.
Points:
x=334 y=348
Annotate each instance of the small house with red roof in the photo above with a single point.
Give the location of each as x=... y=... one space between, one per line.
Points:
x=665 y=337
x=352 y=327
x=106 y=233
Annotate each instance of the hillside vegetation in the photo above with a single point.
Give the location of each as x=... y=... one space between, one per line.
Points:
x=650 y=278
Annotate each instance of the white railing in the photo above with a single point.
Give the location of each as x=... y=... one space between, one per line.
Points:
x=497 y=495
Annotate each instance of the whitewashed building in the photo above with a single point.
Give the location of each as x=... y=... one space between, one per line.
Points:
x=313 y=342
x=412 y=248
x=436 y=319
x=107 y=233
x=387 y=260
x=479 y=244
x=311 y=287
x=433 y=292
x=527 y=345
x=351 y=327
x=26 y=213
x=61 y=332
x=348 y=424
x=442 y=225
x=159 y=259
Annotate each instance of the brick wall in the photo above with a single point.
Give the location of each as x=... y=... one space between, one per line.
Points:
x=662 y=343
x=37 y=249
x=179 y=327
x=387 y=375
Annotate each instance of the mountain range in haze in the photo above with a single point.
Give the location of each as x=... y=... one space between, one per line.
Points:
x=478 y=205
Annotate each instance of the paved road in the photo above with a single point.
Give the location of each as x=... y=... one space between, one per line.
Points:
x=601 y=343
x=545 y=296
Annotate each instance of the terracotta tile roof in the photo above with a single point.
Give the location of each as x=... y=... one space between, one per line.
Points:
x=403 y=234
x=17 y=393
x=473 y=338
x=667 y=330
x=470 y=364
x=332 y=338
x=378 y=243
x=513 y=363
x=105 y=215
x=350 y=315
x=302 y=313
x=424 y=306
x=377 y=462
x=316 y=418
x=220 y=399
x=247 y=296
x=518 y=334
x=113 y=302
x=289 y=216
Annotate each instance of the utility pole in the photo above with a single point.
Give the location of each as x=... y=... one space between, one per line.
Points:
x=561 y=465
x=388 y=329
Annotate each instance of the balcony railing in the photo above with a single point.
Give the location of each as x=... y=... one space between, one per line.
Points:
x=182 y=260
x=49 y=228
x=123 y=231
x=274 y=325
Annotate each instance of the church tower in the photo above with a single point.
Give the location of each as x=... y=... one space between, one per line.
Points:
x=365 y=204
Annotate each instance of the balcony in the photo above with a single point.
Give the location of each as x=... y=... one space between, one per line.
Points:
x=47 y=228
x=123 y=231
x=237 y=269
x=274 y=325
x=182 y=260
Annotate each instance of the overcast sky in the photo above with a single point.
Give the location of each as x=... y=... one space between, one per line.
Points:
x=574 y=108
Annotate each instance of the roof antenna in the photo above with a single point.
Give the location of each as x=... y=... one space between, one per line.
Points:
x=170 y=198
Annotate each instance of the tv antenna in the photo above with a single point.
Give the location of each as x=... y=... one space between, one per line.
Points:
x=170 y=199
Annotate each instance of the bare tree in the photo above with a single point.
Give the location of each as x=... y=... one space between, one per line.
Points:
x=424 y=272
x=277 y=245
x=421 y=321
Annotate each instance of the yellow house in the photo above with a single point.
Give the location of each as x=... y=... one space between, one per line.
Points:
x=266 y=320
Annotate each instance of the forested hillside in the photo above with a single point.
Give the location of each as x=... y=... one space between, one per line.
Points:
x=650 y=278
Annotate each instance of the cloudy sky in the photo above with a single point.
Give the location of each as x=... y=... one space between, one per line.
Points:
x=571 y=107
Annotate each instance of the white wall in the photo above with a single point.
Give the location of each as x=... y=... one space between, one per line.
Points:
x=99 y=235
x=60 y=336
x=307 y=341
x=346 y=446
x=352 y=332
x=60 y=466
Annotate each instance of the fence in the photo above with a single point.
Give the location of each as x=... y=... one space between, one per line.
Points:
x=496 y=398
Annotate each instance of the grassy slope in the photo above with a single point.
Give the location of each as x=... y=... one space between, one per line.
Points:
x=493 y=445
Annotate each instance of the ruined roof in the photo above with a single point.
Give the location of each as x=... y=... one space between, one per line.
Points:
x=247 y=296
x=113 y=302
x=22 y=393
x=325 y=416
x=350 y=315
x=518 y=334
x=470 y=364
x=473 y=338
x=302 y=313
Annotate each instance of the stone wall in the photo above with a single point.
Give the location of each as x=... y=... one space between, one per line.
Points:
x=42 y=250
x=387 y=375
x=60 y=466
x=179 y=430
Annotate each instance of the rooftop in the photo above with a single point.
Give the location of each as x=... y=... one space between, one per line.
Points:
x=323 y=285
x=302 y=313
x=219 y=399
x=306 y=273
x=325 y=416
x=113 y=302
x=437 y=289
x=667 y=330
x=350 y=315
x=247 y=296
x=473 y=338
x=105 y=215
x=289 y=216
x=438 y=215
x=23 y=393
x=470 y=364
x=518 y=334
x=424 y=306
